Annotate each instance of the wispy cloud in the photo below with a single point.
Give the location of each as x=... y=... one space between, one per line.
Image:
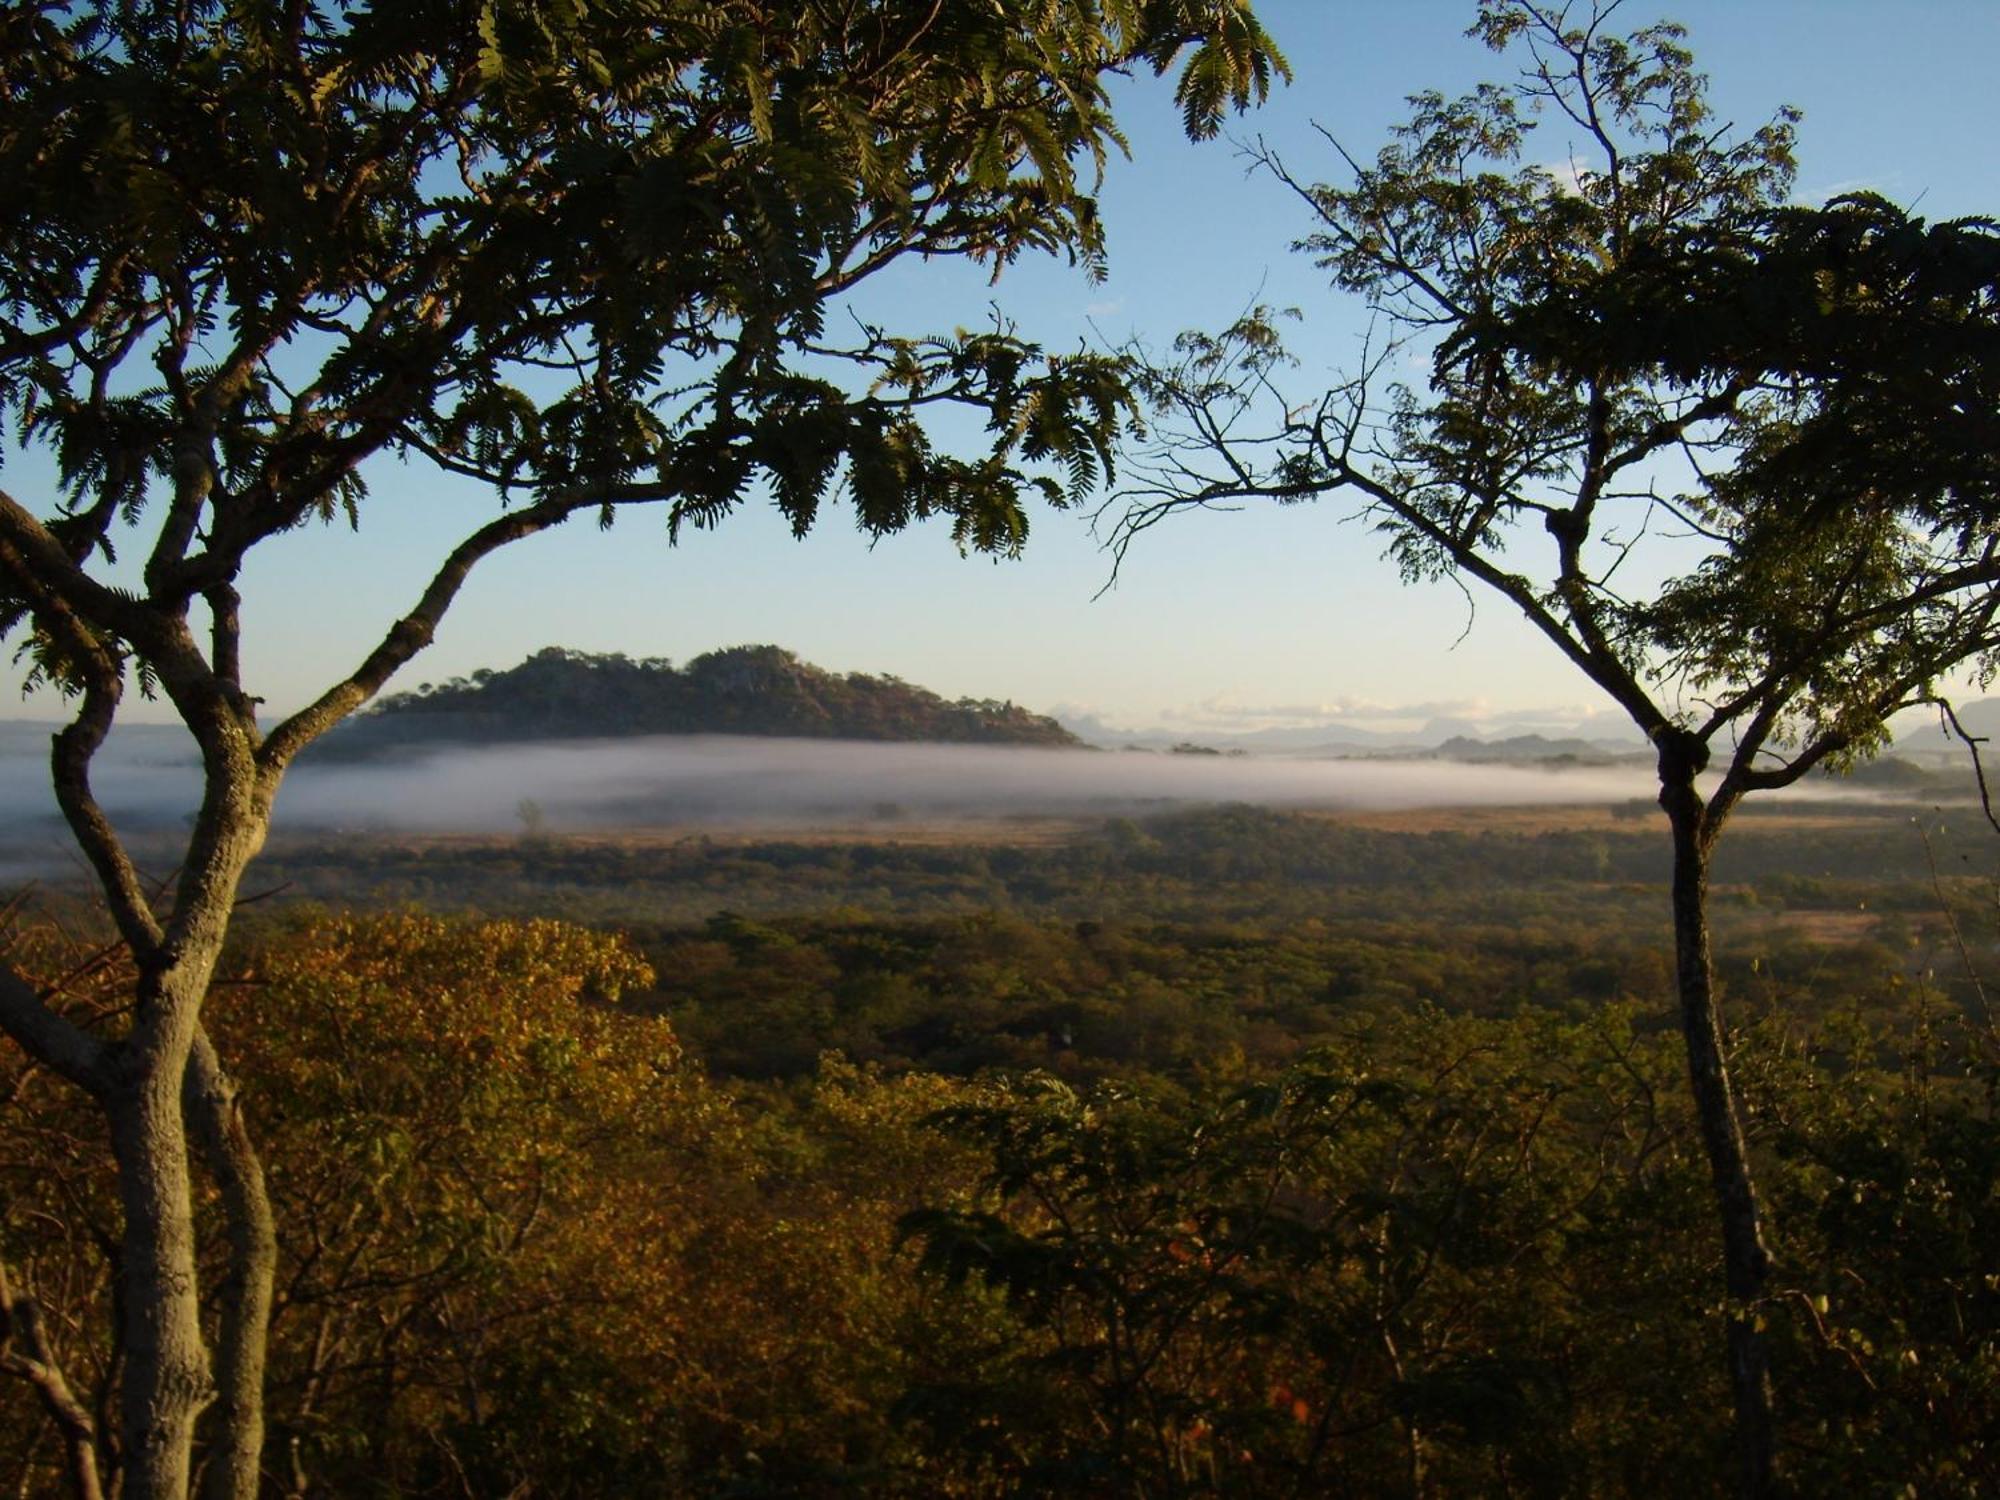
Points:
x=1568 y=174
x=1820 y=192
x=1224 y=713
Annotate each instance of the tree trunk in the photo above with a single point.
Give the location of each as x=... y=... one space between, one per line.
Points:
x=166 y=1380
x=1746 y=1262
x=236 y=1455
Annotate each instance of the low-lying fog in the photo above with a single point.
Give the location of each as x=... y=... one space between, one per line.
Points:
x=148 y=777
x=680 y=779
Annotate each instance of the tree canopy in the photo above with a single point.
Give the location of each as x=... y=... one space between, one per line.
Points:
x=1889 y=320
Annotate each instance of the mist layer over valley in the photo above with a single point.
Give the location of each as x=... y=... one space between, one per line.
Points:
x=755 y=738
x=149 y=777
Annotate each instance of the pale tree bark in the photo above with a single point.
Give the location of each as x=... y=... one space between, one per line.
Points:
x=167 y=1378
x=161 y=1086
x=146 y=1081
x=216 y=1118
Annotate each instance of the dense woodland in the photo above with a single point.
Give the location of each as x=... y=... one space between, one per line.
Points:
x=1226 y=1152
x=557 y=694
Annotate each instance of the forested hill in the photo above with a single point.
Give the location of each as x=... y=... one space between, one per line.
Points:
x=758 y=690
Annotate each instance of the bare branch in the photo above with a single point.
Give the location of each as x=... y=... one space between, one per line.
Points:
x=1972 y=743
x=49 y=1038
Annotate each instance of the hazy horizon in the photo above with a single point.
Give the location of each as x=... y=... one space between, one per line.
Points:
x=669 y=781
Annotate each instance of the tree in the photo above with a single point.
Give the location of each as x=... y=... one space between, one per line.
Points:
x=1732 y=458
x=584 y=253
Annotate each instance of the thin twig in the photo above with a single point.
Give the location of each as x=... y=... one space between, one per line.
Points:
x=1972 y=743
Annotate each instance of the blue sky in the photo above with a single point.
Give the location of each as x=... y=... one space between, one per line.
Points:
x=1223 y=622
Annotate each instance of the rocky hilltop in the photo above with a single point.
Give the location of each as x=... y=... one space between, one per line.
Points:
x=753 y=690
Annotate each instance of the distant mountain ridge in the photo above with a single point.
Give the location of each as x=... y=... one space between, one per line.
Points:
x=750 y=690
x=1532 y=748
x=1440 y=739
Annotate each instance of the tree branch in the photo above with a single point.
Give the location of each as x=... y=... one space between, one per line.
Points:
x=49 y=1038
x=215 y=1115
x=411 y=633
x=70 y=755
x=72 y=749
x=43 y=573
x=1972 y=743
